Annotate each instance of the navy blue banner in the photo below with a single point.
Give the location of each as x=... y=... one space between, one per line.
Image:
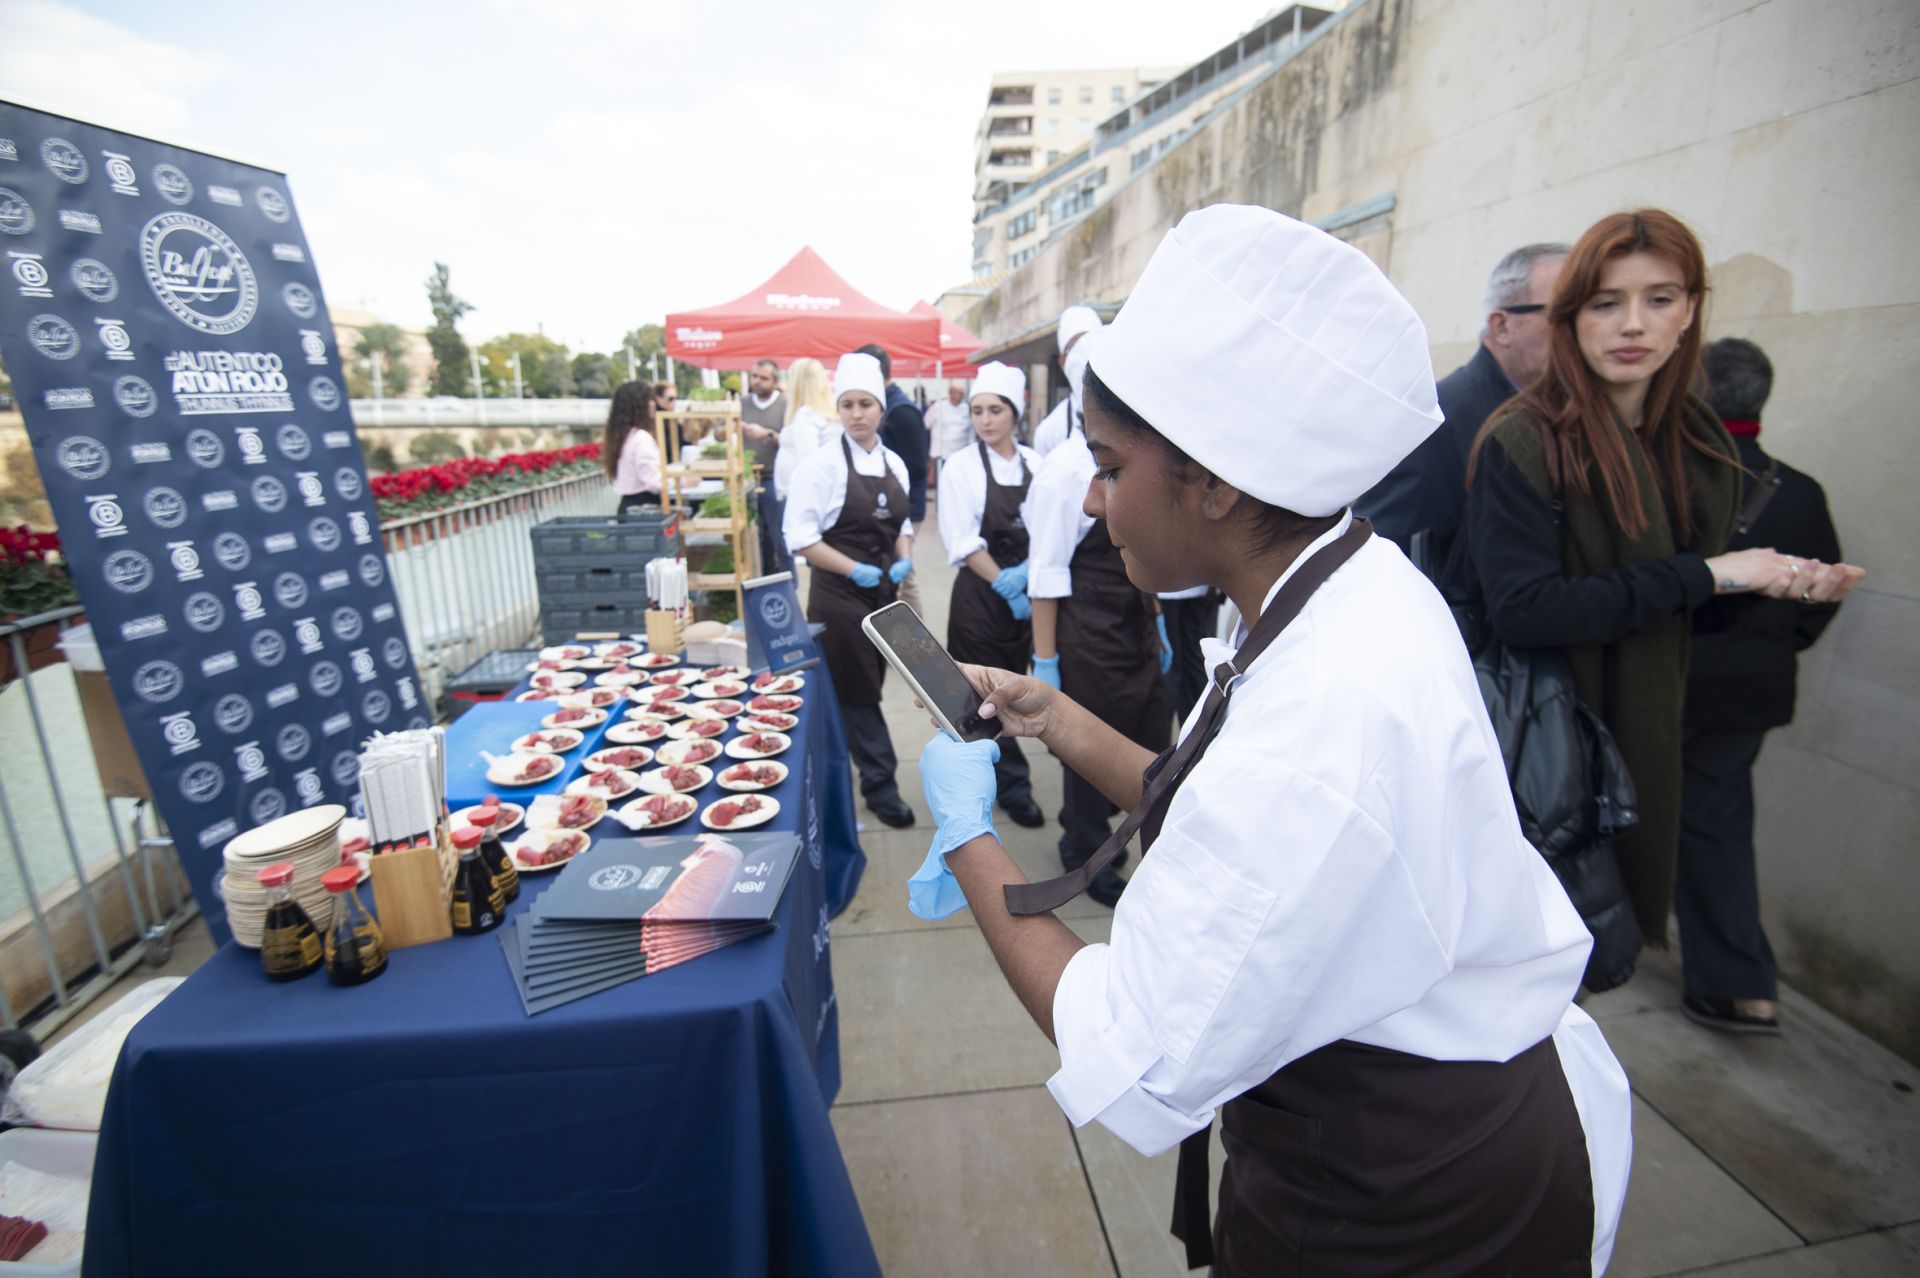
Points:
x=777 y=624
x=169 y=345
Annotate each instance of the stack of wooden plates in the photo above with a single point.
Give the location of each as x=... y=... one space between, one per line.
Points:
x=309 y=839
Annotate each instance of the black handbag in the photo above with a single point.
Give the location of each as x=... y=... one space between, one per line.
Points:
x=1571 y=787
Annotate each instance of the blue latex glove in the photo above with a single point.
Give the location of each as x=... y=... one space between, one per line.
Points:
x=957 y=777
x=865 y=576
x=1047 y=670
x=1022 y=607
x=1166 y=644
x=1011 y=582
x=898 y=573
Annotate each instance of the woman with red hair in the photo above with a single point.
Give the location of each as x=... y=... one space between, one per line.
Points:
x=1599 y=504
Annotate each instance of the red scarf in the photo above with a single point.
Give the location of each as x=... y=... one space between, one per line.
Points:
x=1742 y=427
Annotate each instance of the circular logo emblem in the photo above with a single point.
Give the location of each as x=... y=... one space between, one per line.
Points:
x=293 y=442
x=233 y=712
x=325 y=678
x=313 y=346
x=179 y=731
x=293 y=743
x=198 y=273
x=16 y=215
x=205 y=447
x=185 y=560
x=290 y=588
x=135 y=396
x=357 y=521
x=300 y=300
x=346 y=624
x=29 y=272
x=272 y=203
x=372 y=571
x=346 y=767
x=95 y=282
x=311 y=491
x=128 y=571
x=269 y=494
x=346 y=482
x=419 y=723
x=120 y=171
x=268 y=648
x=83 y=457
x=395 y=652
x=165 y=507
x=158 y=681
x=775 y=611
x=64 y=160
x=201 y=782
x=106 y=514
x=324 y=394
x=174 y=186
x=308 y=785
x=306 y=632
x=250 y=445
x=612 y=878
x=116 y=339
x=324 y=534
x=205 y=612
x=251 y=759
x=248 y=598
x=267 y=805
x=376 y=706
x=363 y=665
x=53 y=337
x=232 y=550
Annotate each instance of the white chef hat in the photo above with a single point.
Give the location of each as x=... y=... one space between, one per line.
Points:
x=1075 y=321
x=1076 y=366
x=858 y=372
x=1275 y=355
x=1000 y=379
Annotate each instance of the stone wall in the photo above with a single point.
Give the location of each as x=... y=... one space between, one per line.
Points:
x=1787 y=134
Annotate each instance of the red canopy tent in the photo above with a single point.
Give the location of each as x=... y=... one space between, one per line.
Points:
x=804 y=310
x=956 y=344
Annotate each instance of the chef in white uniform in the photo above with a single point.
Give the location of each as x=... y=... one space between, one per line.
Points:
x=1075 y=323
x=1337 y=937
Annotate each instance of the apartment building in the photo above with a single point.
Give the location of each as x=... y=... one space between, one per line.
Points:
x=1035 y=117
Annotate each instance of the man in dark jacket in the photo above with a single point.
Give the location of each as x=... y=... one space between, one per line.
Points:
x=1740 y=685
x=1427 y=490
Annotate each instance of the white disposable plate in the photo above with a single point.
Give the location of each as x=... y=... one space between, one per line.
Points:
x=696 y=728
x=566 y=652
x=619 y=649
x=730 y=689
x=621 y=679
x=582 y=720
x=654 y=660
x=769 y=721
x=288 y=832
x=655 y=782
x=507 y=771
x=558 y=679
x=748 y=787
x=718 y=708
x=511 y=814
x=541 y=694
x=767 y=810
x=593 y=665
x=784 y=704
x=627 y=783
x=675 y=678
x=779 y=685
x=596 y=804
x=680 y=753
x=535 y=667
x=634 y=817
x=726 y=672
x=636 y=733
x=598 y=760
x=657 y=709
x=538 y=840
x=736 y=748
x=660 y=693
x=594 y=699
x=570 y=738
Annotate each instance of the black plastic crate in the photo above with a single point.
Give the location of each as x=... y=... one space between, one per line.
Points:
x=596 y=583
x=560 y=623
x=580 y=543
x=488 y=679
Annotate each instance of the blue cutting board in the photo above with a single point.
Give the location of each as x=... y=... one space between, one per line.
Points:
x=494 y=726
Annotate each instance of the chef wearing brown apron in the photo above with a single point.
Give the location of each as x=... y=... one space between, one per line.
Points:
x=1337 y=936
x=988 y=615
x=847 y=517
x=1093 y=636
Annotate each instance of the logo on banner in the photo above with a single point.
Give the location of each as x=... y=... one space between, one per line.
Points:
x=143 y=627
x=225 y=195
x=253 y=452
x=103 y=511
x=219 y=663
x=246 y=597
x=324 y=394
x=383 y=612
x=280 y=543
x=335 y=724
x=76 y=220
x=269 y=494
x=325 y=679
x=185 y=560
x=30 y=273
x=362 y=662
x=346 y=767
x=289 y=253
x=251 y=760
x=272 y=203
x=114 y=336
x=178 y=731
x=290 y=588
x=67 y=397
x=174 y=186
x=268 y=648
x=233 y=713
x=202 y=782
x=16 y=215
x=64 y=160
x=8 y=149
x=229 y=382
x=360 y=526
x=346 y=482
x=282 y=695
x=300 y=300
x=324 y=534
x=128 y=571
x=376 y=706
x=205 y=448
x=314 y=347
x=165 y=507
x=53 y=337
x=135 y=396
x=612 y=878
x=307 y=785
x=120 y=173
x=408 y=697
x=83 y=457
x=337 y=439
x=802 y=302
x=346 y=624
x=148 y=453
x=95 y=282
x=336 y=580
x=217 y=833
x=395 y=652
x=158 y=681
x=699 y=339
x=267 y=805
x=775 y=611
x=293 y=743
x=372 y=571
x=306 y=633
x=312 y=492
x=232 y=550
x=198 y=273
x=293 y=441
x=204 y=611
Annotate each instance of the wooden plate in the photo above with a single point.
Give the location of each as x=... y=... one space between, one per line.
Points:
x=748 y=787
x=730 y=689
x=719 y=708
x=765 y=810
x=692 y=728
x=507 y=771
x=737 y=749
x=581 y=722
x=634 y=817
x=594 y=783
x=570 y=739
x=683 y=753
x=599 y=760
x=779 y=685
x=769 y=721
x=540 y=839
x=655 y=782
x=636 y=732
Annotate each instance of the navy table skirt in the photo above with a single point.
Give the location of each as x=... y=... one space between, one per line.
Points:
x=424 y=1125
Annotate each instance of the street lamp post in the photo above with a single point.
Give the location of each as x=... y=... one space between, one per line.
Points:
x=479 y=388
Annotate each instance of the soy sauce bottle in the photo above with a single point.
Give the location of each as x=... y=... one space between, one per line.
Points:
x=356 y=951
x=495 y=855
x=477 y=903
x=289 y=943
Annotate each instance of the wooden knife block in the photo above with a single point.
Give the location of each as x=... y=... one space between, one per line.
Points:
x=413 y=894
x=666 y=631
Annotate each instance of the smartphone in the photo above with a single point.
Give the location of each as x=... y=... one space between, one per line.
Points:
x=909 y=647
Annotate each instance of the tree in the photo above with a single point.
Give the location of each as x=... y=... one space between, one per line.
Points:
x=390 y=344
x=450 y=359
x=649 y=344
x=546 y=368
x=594 y=376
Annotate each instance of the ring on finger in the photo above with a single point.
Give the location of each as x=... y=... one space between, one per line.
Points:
x=1806 y=596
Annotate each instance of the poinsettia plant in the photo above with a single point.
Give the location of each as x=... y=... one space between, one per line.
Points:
x=33 y=576
x=423 y=489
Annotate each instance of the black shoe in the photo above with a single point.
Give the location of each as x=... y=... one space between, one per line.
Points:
x=1720 y=1014
x=892 y=810
x=1107 y=887
x=1024 y=811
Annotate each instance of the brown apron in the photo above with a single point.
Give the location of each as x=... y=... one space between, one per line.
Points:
x=1356 y=1159
x=871 y=513
x=980 y=624
x=1109 y=649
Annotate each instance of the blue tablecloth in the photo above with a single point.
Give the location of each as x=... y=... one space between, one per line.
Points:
x=424 y=1125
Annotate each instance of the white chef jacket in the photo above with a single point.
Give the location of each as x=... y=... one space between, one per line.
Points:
x=798 y=440
x=963 y=496
x=949 y=428
x=1053 y=428
x=820 y=489
x=1055 y=518
x=1344 y=862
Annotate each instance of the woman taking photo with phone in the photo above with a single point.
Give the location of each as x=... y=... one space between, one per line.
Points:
x=847 y=517
x=628 y=451
x=988 y=615
x=1337 y=933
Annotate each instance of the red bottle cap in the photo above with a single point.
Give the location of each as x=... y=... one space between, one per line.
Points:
x=484 y=817
x=277 y=875
x=340 y=878
x=466 y=837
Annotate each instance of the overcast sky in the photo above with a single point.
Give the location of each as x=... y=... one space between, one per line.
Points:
x=589 y=165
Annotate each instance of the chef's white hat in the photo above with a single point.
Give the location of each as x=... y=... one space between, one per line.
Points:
x=1076 y=366
x=1275 y=355
x=1075 y=321
x=999 y=379
x=857 y=372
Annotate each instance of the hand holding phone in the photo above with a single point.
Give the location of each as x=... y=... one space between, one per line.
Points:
x=949 y=696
